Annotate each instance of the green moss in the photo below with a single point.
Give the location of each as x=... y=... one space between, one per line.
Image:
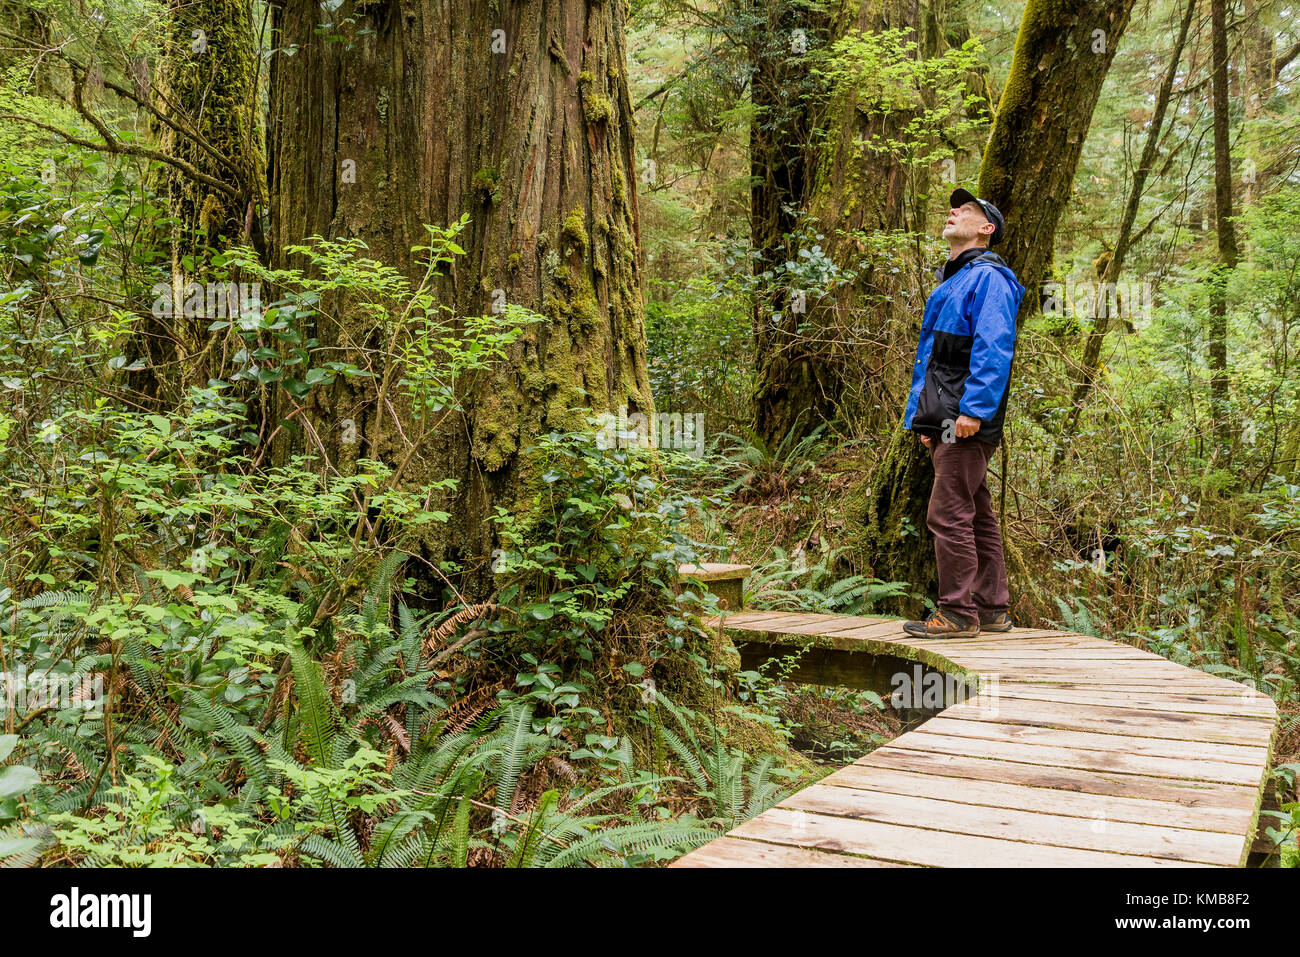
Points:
x=575 y=231
x=554 y=268
x=596 y=106
x=586 y=312
x=487 y=182
x=620 y=188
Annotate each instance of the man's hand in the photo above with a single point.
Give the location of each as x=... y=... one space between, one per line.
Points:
x=925 y=440
x=965 y=426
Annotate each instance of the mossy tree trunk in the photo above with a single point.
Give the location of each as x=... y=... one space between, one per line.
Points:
x=810 y=353
x=794 y=391
x=1062 y=55
x=1063 y=52
x=410 y=113
x=206 y=93
x=1113 y=265
x=864 y=192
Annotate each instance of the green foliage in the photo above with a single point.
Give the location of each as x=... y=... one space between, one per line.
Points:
x=878 y=73
x=791 y=583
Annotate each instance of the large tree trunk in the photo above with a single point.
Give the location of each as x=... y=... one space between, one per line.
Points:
x=1062 y=55
x=874 y=192
x=812 y=355
x=793 y=391
x=517 y=114
x=1226 y=232
x=206 y=92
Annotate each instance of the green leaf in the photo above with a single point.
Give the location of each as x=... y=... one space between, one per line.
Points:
x=16 y=779
x=173 y=579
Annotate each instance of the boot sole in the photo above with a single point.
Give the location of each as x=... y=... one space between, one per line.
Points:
x=922 y=633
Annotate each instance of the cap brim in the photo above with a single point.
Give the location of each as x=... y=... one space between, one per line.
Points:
x=960 y=197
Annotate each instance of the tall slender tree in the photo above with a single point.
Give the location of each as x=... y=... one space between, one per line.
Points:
x=1114 y=263
x=794 y=391
x=1225 y=230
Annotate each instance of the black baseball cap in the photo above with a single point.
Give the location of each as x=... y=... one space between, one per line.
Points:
x=960 y=197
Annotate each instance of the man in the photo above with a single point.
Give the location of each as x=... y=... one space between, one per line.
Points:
x=957 y=404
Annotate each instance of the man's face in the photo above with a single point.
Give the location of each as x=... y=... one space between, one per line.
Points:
x=965 y=222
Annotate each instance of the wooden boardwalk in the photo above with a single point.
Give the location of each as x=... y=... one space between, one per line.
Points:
x=1074 y=751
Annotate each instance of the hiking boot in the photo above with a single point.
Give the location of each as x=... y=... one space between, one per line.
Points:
x=995 y=621
x=942 y=625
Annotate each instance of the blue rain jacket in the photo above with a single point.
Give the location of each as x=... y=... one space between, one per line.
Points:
x=963 y=358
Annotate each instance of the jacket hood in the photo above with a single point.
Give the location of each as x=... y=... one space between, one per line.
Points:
x=991 y=259
x=1000 y=264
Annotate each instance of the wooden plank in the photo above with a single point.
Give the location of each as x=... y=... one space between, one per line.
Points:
x=745 y=619
x=1184 y=768
x=1064 y=667
x=713 y=571
x=1047 y=799
x=991 y=728
x=1016 y=634
x=915 y=845
x=988 y=643
x=1115 y=719
x=844 y=627
x=977 y=657
x=1195 y=794
x=1255 y=707
x=776 y=622
x=881 y=631
x=1142 y=674
x=1034 y=827
x=1182 y=685
x=737 y=852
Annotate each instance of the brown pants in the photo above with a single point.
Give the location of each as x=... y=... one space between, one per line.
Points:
x=967 y=540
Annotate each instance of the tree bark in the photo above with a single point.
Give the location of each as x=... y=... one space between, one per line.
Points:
x=206 y=88
x=793 y=392
x=811 y=355
x=519 y=115
x=1063 y=52
x=1225 y=230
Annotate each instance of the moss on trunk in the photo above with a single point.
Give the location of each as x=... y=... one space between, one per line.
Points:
x=207 y=88
x=519 y=115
